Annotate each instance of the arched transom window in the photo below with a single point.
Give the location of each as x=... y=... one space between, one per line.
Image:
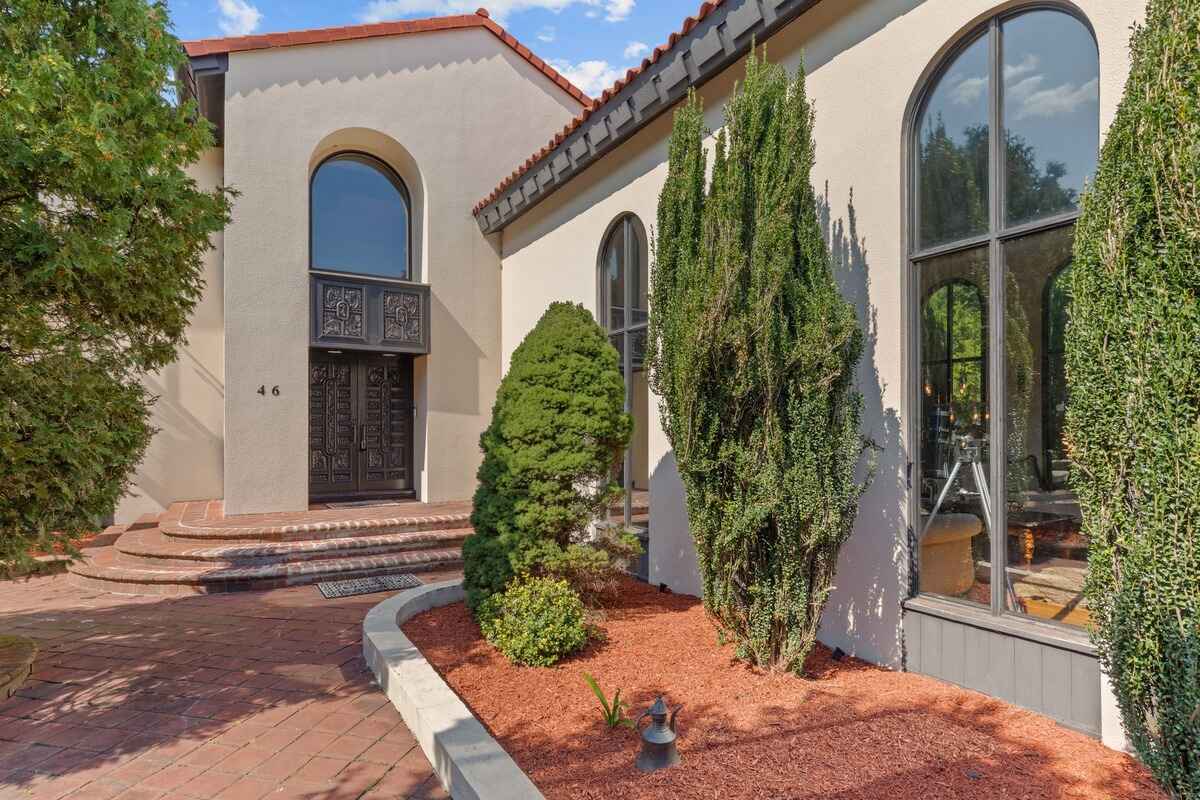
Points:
x=1004 y=139
x=624 y=286
x=360 y=218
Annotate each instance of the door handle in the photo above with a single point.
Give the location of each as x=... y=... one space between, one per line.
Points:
x=362 y=437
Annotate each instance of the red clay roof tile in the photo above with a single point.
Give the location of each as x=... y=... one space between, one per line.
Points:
x=480 y=19
x=689 y=23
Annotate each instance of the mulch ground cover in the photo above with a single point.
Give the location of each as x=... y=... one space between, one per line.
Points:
x=848 y=730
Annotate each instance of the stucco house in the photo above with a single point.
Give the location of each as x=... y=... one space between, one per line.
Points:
x=381 y=269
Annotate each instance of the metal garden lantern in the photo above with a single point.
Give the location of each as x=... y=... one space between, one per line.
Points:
x=658 y=740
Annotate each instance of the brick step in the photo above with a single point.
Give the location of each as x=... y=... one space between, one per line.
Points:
x=151 y=550
x=103 y=572
x=187 y=522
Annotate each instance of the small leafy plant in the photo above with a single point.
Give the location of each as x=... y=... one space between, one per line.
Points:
x=614 y=711
x=536 y=622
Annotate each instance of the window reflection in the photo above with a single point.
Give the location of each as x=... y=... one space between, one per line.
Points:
x=952 y=144
x=1051 y=113
x=360 y=218
x=955 y=525
x=1042 y=78
x=1047 y=552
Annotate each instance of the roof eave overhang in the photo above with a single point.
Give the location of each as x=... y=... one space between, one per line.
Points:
x=206 y=83
x=716 y=42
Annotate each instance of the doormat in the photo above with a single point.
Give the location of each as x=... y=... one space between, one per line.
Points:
x=367 y=503
x=380 y=583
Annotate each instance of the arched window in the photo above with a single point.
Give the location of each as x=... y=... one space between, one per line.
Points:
x=624 y=285
x=953 y=367
x=359 y=218
x=1002 y=141
x=624 y=312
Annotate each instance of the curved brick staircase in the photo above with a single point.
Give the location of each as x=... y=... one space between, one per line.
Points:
x=194 y=549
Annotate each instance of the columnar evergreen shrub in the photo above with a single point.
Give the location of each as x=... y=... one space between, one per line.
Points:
x=1133 y=421
x=753 y=352
x=101 y=237
x=558 y=431
x=535 y=622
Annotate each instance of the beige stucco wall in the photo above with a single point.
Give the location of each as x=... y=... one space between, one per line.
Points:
x=865 y=59
x=451 y=112
x=184 y=460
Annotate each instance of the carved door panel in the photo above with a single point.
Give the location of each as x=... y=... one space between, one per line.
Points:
x=387 y=425
x=360 y=426
x=332 y=431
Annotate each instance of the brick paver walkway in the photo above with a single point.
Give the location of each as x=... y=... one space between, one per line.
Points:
x=242 y=696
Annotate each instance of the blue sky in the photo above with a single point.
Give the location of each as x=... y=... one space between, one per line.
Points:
x=592 y=42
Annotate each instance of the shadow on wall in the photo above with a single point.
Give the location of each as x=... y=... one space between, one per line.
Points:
x=672 y=550
x=460 y=394
x=863 y=616
x=181 y=390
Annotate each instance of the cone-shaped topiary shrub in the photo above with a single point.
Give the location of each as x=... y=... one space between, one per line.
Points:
x=558 y=431
x=753 y=352
x=1133 y=421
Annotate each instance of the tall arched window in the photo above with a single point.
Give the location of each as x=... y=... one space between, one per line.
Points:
x=623 y=302
x=359 y=218
x=1003 y=139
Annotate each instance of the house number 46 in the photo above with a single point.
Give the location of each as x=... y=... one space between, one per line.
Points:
x=263 y=391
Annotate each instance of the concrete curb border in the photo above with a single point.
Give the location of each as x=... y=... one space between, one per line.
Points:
x=469 y=762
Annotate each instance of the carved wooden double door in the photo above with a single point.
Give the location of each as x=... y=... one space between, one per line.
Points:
x=360 y=426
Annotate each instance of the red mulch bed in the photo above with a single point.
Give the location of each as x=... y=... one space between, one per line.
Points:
x=851 y=730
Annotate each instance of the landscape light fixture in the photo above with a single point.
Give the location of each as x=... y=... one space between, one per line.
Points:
x=659 y=750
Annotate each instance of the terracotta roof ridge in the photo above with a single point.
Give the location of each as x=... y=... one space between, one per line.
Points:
x=663 y=49
x=344 y=33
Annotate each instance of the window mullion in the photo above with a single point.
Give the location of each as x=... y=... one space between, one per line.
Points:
x=996 y=367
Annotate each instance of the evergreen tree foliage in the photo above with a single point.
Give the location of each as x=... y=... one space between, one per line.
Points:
x=1133 y=420
x=753 y=352
x=558 y=431
x=101 y=238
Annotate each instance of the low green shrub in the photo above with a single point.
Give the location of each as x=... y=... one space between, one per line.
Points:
x=535 y=622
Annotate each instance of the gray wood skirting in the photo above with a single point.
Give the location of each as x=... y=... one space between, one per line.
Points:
x=1061 y=683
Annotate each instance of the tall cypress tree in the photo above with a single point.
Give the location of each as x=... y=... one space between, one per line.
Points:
x=753 y=351
x=1133 y=421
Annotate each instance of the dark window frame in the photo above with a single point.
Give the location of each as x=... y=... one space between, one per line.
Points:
x=394 y=178
x=998 y=235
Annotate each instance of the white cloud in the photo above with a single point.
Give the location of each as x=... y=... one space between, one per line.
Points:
x=968 y=90
x=238 y=18
x=617 y=10
x=1066 y=98
x=547 y=34
x=379 y=10
x=1027 y=65
x=593 y=77
x=635 y=50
